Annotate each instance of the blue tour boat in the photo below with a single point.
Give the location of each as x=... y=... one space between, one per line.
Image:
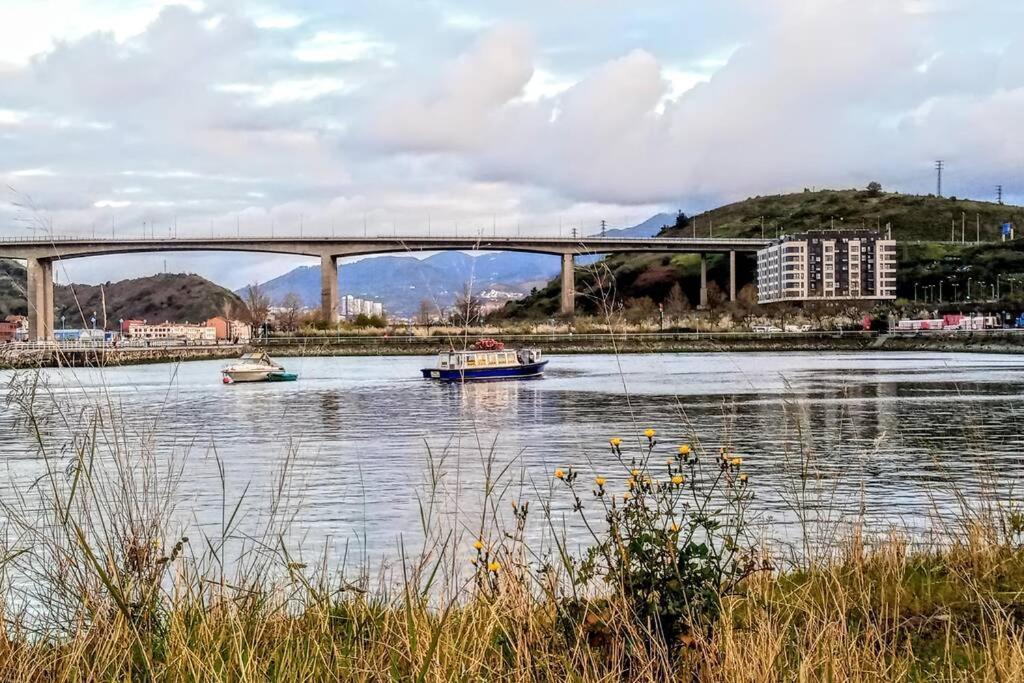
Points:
x=490 y=362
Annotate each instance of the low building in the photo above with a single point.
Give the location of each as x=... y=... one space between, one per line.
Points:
x=14 y=328
x=827 y=265
x=8 y=331
x=169 y=330
x=228 y=329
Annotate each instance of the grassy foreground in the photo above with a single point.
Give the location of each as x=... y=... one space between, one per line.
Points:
x=873 y=615
x=667 y=582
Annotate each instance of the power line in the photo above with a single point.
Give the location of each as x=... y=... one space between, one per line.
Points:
x=938 y=177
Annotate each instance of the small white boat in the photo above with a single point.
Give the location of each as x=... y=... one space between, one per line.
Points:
x=256 y=367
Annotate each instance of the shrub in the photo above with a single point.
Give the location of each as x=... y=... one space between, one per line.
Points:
x=673 y=546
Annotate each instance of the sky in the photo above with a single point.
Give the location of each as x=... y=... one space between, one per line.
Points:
x=259 y=117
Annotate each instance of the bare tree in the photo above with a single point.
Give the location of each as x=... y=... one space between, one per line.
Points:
x=257 y=308
x=426 y=312
x=291 y=314
x=468 y=308
x=716 y=297
x=640 y=310
x=676 y=304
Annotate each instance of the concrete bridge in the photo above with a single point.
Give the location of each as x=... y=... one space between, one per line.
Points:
x=40 y=254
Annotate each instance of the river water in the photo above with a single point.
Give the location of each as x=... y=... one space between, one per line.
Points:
x=888 y=437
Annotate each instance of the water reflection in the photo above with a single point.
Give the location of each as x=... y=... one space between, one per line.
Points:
x=884 y=435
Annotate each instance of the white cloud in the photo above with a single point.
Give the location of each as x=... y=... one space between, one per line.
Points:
x=333 y=46
x=396 y=111
x=33 y=173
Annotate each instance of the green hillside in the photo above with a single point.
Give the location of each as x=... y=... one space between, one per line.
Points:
x=913 y=218
x=176 y=297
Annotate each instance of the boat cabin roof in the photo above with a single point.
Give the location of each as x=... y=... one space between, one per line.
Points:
x=481 y=352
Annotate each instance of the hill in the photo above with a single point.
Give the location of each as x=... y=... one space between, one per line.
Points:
x=913 y=218
x=402 y=282
x=177 y=297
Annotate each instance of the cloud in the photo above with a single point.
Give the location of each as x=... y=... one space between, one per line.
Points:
x=398 y=114
x=454 y=112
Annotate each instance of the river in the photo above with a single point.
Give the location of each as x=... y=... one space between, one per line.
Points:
x=889 y=437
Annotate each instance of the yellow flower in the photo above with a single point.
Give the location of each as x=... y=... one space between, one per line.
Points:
x=600 y=481
x=743 y=478
x=634 y=472
x=649 y=433
x=615 y=441
x=478 y=544
x=736 y=462
x=626 y=496
x=630 y=483
x=684 y=449
x=494 y=567
x=677 y=480
x=559 y=474
x=674 y=527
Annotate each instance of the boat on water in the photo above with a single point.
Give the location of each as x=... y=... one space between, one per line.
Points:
x=256 y=367
x=486 y=360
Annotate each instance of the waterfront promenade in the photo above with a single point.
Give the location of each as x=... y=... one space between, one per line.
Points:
x=52 y=354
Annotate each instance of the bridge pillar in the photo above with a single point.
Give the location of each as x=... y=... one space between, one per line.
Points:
x=568 y=285
x=703 y=281
x=39 y=296
x=732 y=276
x=329 y=288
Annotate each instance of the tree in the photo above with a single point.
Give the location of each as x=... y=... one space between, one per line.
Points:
x=640 y=309
x=257 y=308
x=426 y=312
x=291 y=313
x=364 y=320
x=716 y=297
x=874 y=188
x=467 y=309
x=676 y=304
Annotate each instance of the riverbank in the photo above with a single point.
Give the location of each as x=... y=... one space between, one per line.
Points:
x=397 y=345
x=988 y=342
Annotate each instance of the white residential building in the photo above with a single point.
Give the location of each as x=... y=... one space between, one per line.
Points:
x=825 y=265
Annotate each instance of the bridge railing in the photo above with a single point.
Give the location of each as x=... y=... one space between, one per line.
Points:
x=46 y=239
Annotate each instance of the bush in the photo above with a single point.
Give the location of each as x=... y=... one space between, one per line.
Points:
x=672 y=547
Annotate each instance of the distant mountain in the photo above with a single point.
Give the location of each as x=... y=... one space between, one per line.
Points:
x=402 y=282
x=649 y=228
x=177 y=297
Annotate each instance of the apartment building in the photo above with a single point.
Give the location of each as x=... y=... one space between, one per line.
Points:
x=822 y=265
